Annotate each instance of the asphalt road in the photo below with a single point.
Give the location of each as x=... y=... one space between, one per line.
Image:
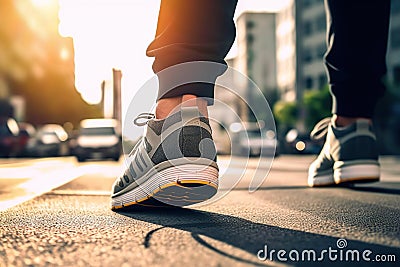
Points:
x=66 y=220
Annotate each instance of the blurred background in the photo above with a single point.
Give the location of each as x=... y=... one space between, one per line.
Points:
x=64 y=61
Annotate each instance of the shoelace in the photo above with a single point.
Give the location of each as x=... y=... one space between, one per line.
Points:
x=320 y=129
x=145 y=117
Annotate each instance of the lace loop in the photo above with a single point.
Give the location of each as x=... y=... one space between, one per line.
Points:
x=141 y=120
x=135 y=147
x=320 y=129
x=145 y=116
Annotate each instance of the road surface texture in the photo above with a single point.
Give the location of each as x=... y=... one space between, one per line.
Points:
x=67 y=221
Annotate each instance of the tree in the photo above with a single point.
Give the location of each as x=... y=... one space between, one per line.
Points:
x=285 y=114
x=317 y=105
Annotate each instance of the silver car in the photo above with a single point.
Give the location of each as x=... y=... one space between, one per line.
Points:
x=98 y=139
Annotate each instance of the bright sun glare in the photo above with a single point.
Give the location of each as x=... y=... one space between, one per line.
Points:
x=114 y=34
x=108 y=34
x=42 y=3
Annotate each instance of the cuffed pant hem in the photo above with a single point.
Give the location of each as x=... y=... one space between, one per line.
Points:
x=202 y=90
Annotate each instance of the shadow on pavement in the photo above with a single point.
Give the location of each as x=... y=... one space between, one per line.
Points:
x=383 y=187
x=251 y=237
x=283 y=187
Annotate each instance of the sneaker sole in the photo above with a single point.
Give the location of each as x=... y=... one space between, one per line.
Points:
x=321 y=181
x=362 y=173
x=177 y=186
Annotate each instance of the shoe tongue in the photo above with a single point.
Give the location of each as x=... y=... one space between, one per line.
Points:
x=359 y=124
x=363 y=124
x=189 y=113
x=159 y=125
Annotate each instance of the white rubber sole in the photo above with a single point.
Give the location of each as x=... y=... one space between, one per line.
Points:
x=357 y=173
x=181 y=185
x=362 y=173
x=323 y=180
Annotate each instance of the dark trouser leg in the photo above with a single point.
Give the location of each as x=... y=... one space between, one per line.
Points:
x=188 y=31
x=355 y=61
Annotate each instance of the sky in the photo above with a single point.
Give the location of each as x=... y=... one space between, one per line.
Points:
x=114 y=34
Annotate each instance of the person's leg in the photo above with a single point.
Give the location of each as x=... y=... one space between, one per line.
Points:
x=175 y=161
x=356 y=57
x=167 y=105
x=190 y=31
x=355 y=61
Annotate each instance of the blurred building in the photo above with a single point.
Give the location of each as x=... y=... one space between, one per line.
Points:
x=311 y=33
x=286 y=56
x=301 y=45
x=37 y=64
x=34 y=42
x=301 y=42
x=117 y=96
x=228 y=105
x=256 y=59
x=257 y=49
x=393 y=59
x=110 y=102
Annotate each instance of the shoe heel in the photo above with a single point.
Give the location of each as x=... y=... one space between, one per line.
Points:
x=360 y=173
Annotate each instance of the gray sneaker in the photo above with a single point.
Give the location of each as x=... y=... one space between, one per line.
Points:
x=174 y=164
x=350 y=154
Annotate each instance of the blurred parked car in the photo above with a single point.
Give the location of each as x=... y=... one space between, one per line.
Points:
x=98 y=139
x=50 y=140
x=301 y=143
x=9 y=132
x=26 y=132
x=221 y=138
x=253 y=140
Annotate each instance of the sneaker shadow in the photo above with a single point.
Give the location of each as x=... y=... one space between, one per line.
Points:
x=251 y=237
x=392 y=188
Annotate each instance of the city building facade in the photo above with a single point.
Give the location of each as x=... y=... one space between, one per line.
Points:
x=393 y=59
x=301 y=42
x=37 y=65
x=301 y=45
x=257 y=49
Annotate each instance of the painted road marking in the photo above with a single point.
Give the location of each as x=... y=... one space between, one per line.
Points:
x=20 y=182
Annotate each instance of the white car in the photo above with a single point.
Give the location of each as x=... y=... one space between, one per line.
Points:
x=50 y=140
x=98 y=139
x=253 y=141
